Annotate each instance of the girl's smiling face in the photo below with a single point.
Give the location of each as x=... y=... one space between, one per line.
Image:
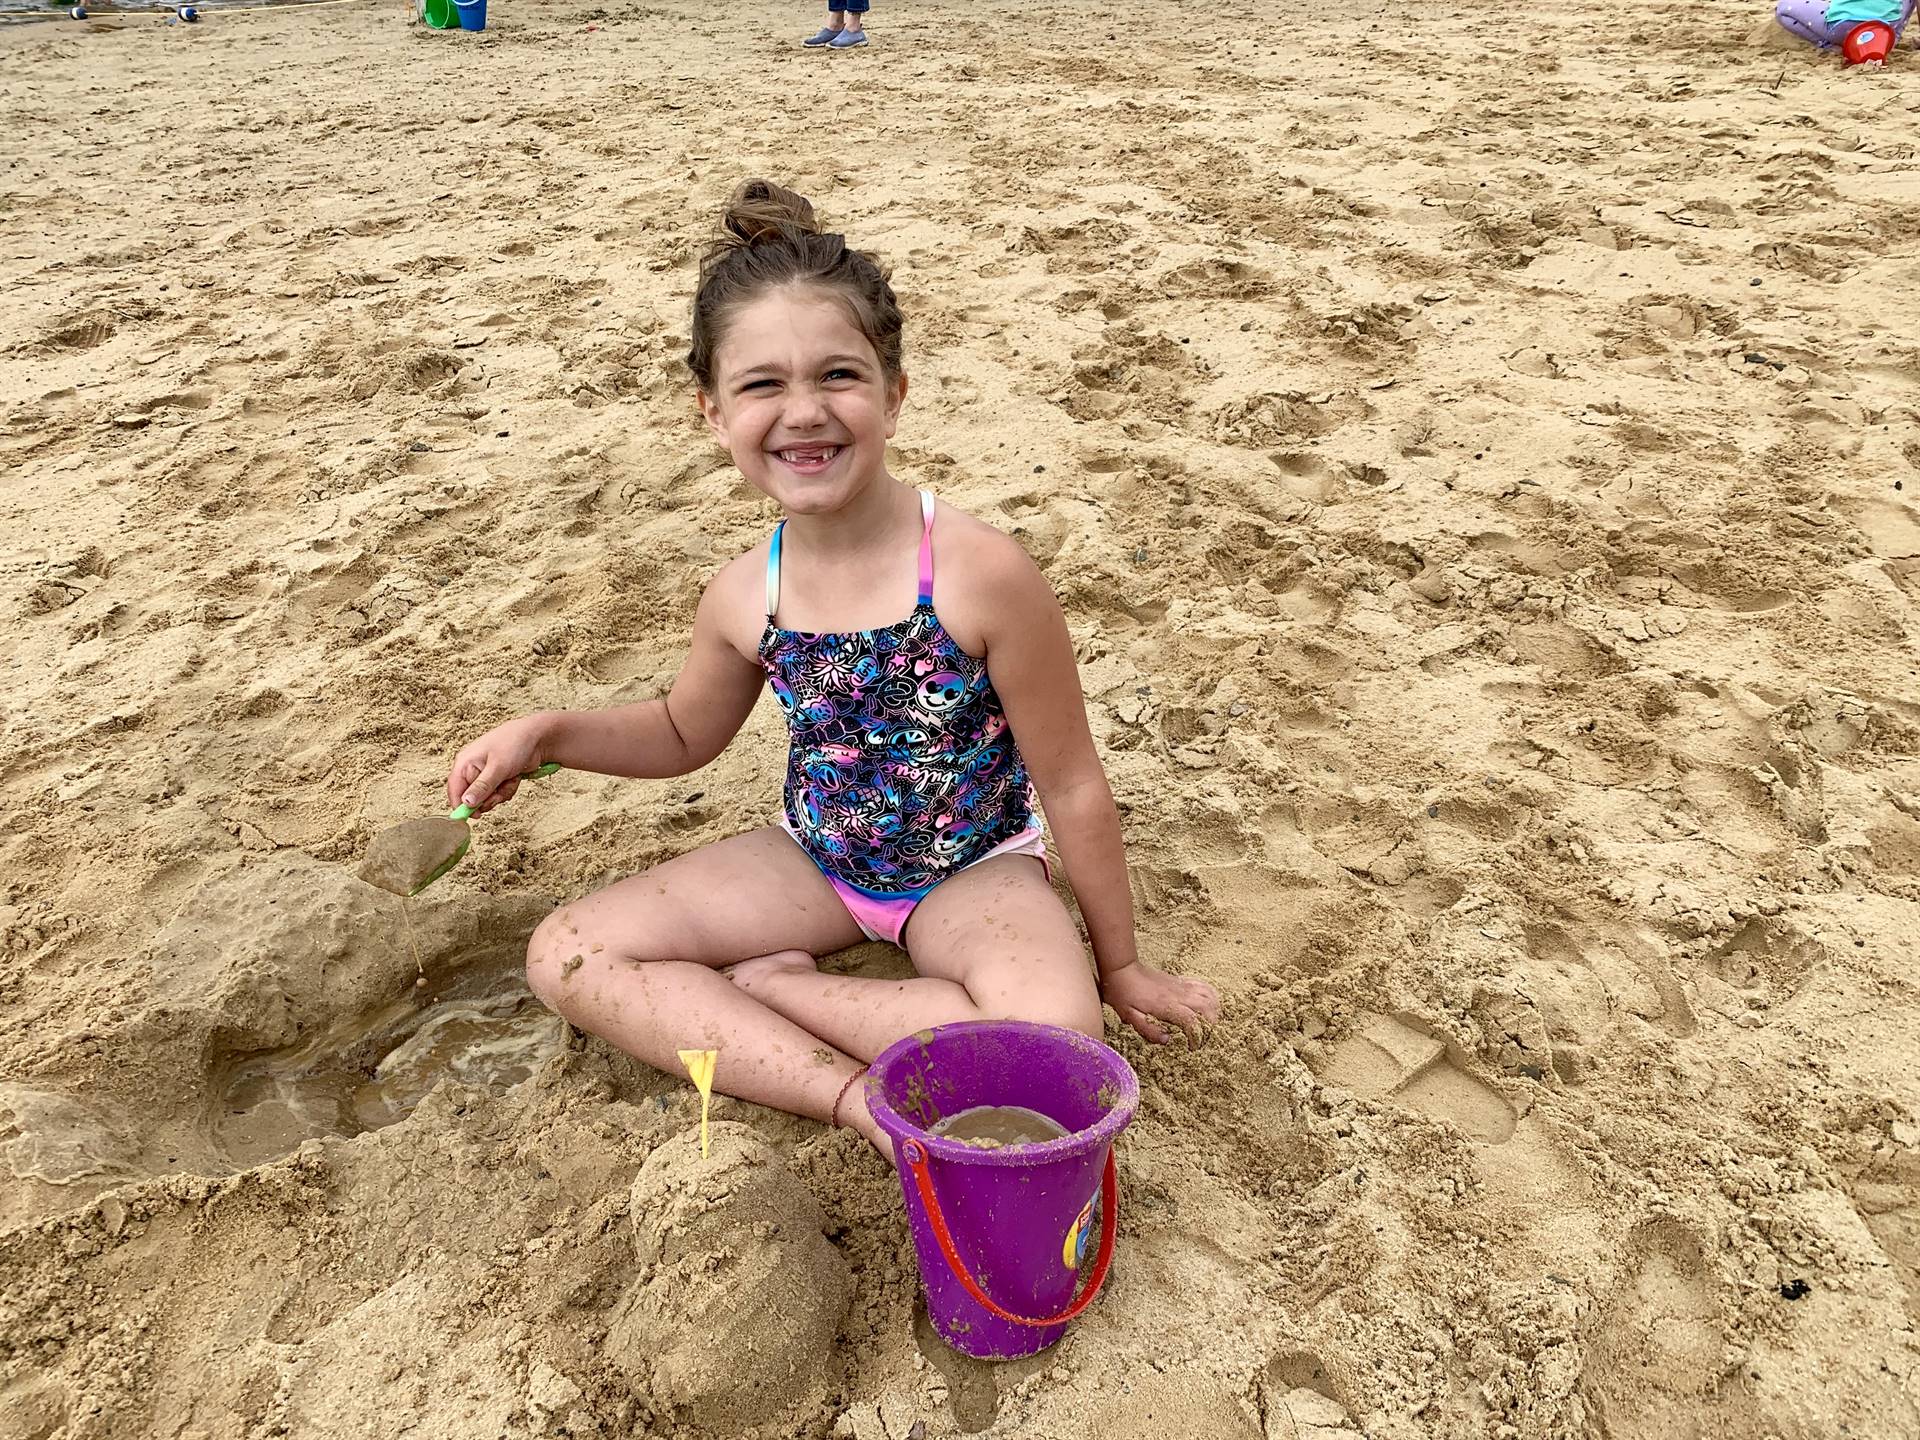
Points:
x=801 y=401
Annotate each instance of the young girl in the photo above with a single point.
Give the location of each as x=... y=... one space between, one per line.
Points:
x=1863 y=31
x=930 y=689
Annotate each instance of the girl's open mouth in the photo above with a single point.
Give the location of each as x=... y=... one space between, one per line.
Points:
x=809 y=459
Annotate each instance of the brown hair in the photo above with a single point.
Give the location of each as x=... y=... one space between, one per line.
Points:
x=768 y=238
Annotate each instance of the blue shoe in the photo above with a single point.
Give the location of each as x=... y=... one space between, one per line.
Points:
x=823 y=37
x=847 y=39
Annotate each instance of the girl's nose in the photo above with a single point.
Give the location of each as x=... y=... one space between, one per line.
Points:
x=806 y=407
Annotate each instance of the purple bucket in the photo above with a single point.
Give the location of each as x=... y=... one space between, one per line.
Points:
x=1002 y=1234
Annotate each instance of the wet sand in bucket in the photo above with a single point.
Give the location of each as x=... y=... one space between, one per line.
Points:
x=994 y=1127
x=370 y=1070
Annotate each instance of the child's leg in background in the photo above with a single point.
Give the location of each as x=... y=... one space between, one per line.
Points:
x=636 y=964
x=1804 y=19
x=856 y=12
x=992 y=943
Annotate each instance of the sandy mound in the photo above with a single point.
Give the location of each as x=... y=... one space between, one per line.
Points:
x=1478 y=466
x=732 y=1321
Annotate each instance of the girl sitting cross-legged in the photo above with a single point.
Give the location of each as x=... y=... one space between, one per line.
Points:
x=932 y=698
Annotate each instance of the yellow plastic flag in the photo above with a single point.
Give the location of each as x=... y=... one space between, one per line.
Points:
x=700 y=1065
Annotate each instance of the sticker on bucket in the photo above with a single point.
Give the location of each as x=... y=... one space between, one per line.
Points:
x=1074 y=1249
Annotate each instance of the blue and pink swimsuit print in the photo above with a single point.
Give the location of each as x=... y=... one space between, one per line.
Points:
x=901 y=770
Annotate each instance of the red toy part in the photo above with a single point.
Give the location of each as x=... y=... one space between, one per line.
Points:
x=1871 y=41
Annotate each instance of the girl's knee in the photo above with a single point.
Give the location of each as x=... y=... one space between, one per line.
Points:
x=1803 y=19
x=557 y=951
x=1087 y=1018
x=1069 y=1012
x=543 y=964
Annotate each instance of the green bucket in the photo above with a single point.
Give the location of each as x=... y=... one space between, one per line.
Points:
x=439 y=14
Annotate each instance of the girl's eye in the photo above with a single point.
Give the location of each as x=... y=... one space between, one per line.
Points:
x=842 y=373
x=755 y=385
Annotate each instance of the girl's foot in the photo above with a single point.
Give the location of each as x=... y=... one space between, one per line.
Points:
x=853 y=1112
x=847 y=38
x=823 y=36
x=855 y=1116
x=748 y=973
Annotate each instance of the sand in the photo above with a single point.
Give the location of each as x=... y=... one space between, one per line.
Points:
x=1476 y=453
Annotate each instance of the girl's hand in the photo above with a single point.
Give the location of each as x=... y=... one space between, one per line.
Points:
x=487 y=772
x=1149 y=1000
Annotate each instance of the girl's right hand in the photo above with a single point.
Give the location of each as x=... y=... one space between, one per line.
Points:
x=487 y=771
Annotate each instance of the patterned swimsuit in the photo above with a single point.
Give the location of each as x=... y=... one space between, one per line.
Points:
x=901 y=772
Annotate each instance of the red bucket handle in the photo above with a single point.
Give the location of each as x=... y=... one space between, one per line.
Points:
x=916 y=1154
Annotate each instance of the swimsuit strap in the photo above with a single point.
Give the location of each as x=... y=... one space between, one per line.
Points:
x=926 y=547
x=773 y=571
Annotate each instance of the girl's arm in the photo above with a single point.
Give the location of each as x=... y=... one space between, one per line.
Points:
x=708 y=703
x=1030 y=657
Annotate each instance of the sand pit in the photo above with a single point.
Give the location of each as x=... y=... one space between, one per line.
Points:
x=1479 y=472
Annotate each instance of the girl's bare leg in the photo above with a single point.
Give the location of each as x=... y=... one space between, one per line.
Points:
x=992 y=943
x=636 y=964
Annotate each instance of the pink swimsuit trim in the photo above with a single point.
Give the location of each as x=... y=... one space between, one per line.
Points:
x=885 y=917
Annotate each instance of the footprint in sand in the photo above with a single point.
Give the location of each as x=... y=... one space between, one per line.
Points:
x=1892 y=530
x=1658 y=1350
x=1653 y=580
x=1394 y=1060
x=1308 y=477
x=1584 y=986
x=1427 y=895
x=971 y=1385
x=1766 y=961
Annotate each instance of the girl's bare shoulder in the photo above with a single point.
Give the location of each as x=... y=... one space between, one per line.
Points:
x=972 y=542
x=982 y=578
x=735 y=602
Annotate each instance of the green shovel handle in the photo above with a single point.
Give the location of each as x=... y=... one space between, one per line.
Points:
x=463 y=812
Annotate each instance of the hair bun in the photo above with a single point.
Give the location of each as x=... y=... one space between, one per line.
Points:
x=761 y=211
x=768 y=238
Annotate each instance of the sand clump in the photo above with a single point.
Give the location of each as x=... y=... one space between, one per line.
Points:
x=1484 y=512
x=403 y=859
x=733 y=1317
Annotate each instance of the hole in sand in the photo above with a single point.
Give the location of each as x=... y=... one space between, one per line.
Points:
x=1301 y=1370
x=369 y=1070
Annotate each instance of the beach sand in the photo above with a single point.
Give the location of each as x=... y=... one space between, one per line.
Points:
x=1476 y=451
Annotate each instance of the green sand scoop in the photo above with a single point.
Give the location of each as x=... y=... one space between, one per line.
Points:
x=406 y=858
